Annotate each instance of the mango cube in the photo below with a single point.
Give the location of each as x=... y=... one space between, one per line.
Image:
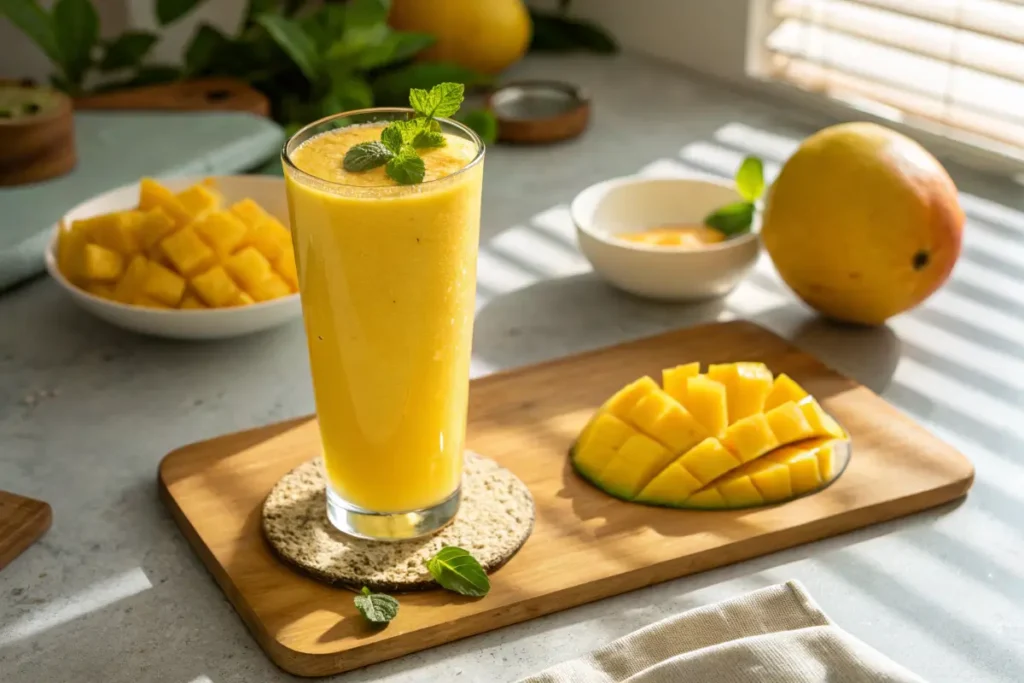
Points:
x=248 y=268
x=661 y=417
x=222 y=230
x=625 y=398
x=162 y=285
x=740 y=492
x=706 y=400
x=788 y=423
x=671 y=484
x=187 y=252
x=156 y=224
x=117 y=231
x=270 y=237
x=249 y=211
x=153 y=195
x=101 y=289
x=129 y=288
x=784 y=389
x=675 y=380
x=750 y=437
x=285 y=267
x=216 y=288
x=71 y=252
x=100 y=263
x=636 y=463
x=199 y=199
x=708 y=460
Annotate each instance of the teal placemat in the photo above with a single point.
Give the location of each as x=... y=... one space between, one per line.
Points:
x=119 y=148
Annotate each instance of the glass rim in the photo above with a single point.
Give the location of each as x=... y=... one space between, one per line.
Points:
x=471 y=134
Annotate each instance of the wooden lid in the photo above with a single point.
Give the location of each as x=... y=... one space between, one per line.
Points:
x=539 y=111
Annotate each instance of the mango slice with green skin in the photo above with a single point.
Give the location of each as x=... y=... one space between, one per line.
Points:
x=785 y=473
x=645 y=445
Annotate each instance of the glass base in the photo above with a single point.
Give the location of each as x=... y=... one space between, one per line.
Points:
x=390 y=526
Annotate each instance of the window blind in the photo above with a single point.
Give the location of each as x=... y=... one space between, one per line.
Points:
x=954 y=67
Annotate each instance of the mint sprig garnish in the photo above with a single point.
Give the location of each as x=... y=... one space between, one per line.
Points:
x=396 y=150
x=738 y=217
x=460 y=572
x=376 y=608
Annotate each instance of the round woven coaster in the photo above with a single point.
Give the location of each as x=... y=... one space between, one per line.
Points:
x=494 y=520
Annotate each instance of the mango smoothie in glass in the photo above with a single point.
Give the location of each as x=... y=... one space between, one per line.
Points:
x=387 y=274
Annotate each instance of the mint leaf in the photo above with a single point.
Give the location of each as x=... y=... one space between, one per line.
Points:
x=367 y=155
x=406 y=167
x=393 y=137
x=444 y=99
x=732 y=219
x=429 y=138
x=458 y=571
x=750 y=179
x=127 y=50
x=376 y=608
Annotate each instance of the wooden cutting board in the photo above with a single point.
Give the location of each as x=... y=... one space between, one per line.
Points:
x=22 y=522
x=586 y=545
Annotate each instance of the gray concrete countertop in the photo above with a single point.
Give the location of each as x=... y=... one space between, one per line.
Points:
x=113 y=592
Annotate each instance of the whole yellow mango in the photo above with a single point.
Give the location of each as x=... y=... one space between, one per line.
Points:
x=484 y=35
x=862 y=223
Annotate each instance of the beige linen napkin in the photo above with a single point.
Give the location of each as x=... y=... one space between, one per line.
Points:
x=773 y=635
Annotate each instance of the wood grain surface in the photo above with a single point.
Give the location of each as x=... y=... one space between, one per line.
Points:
x=205 y=94
x=22 y=522
x=38 y=148
x=586 y=545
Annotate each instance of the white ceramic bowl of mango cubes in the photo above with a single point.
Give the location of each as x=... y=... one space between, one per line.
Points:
x=239 y=313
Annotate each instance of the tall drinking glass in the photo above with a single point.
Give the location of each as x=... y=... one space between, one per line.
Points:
x=387 y=275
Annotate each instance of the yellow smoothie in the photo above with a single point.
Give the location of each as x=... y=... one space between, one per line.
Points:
x=388 y=281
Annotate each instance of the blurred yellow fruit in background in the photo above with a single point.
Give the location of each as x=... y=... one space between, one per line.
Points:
x=484 y=35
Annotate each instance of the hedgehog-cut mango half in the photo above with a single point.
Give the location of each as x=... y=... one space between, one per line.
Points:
x=734 y=436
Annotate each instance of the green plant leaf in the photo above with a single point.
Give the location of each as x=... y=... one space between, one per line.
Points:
x=732 y=219
x=406 y=167
x=392 y=138
x=397 y=46
x=325 y=26
x=288 y=34
x=35 y=23
x=366 y=155
x=127 y=50
x=363 y=14
x=254 y=8
x=77 y=28
x=483 y=122
x=347 y=91
x=392 y=87
x=207 y=44
x=750 y=179
x=554 y=32
x=168 y=11
x=444 y=99
x=376 y=608
x=428 y=138
x=458 y=571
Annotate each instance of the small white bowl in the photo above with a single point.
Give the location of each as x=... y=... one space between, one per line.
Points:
x=214 y=323
x=635 y=204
